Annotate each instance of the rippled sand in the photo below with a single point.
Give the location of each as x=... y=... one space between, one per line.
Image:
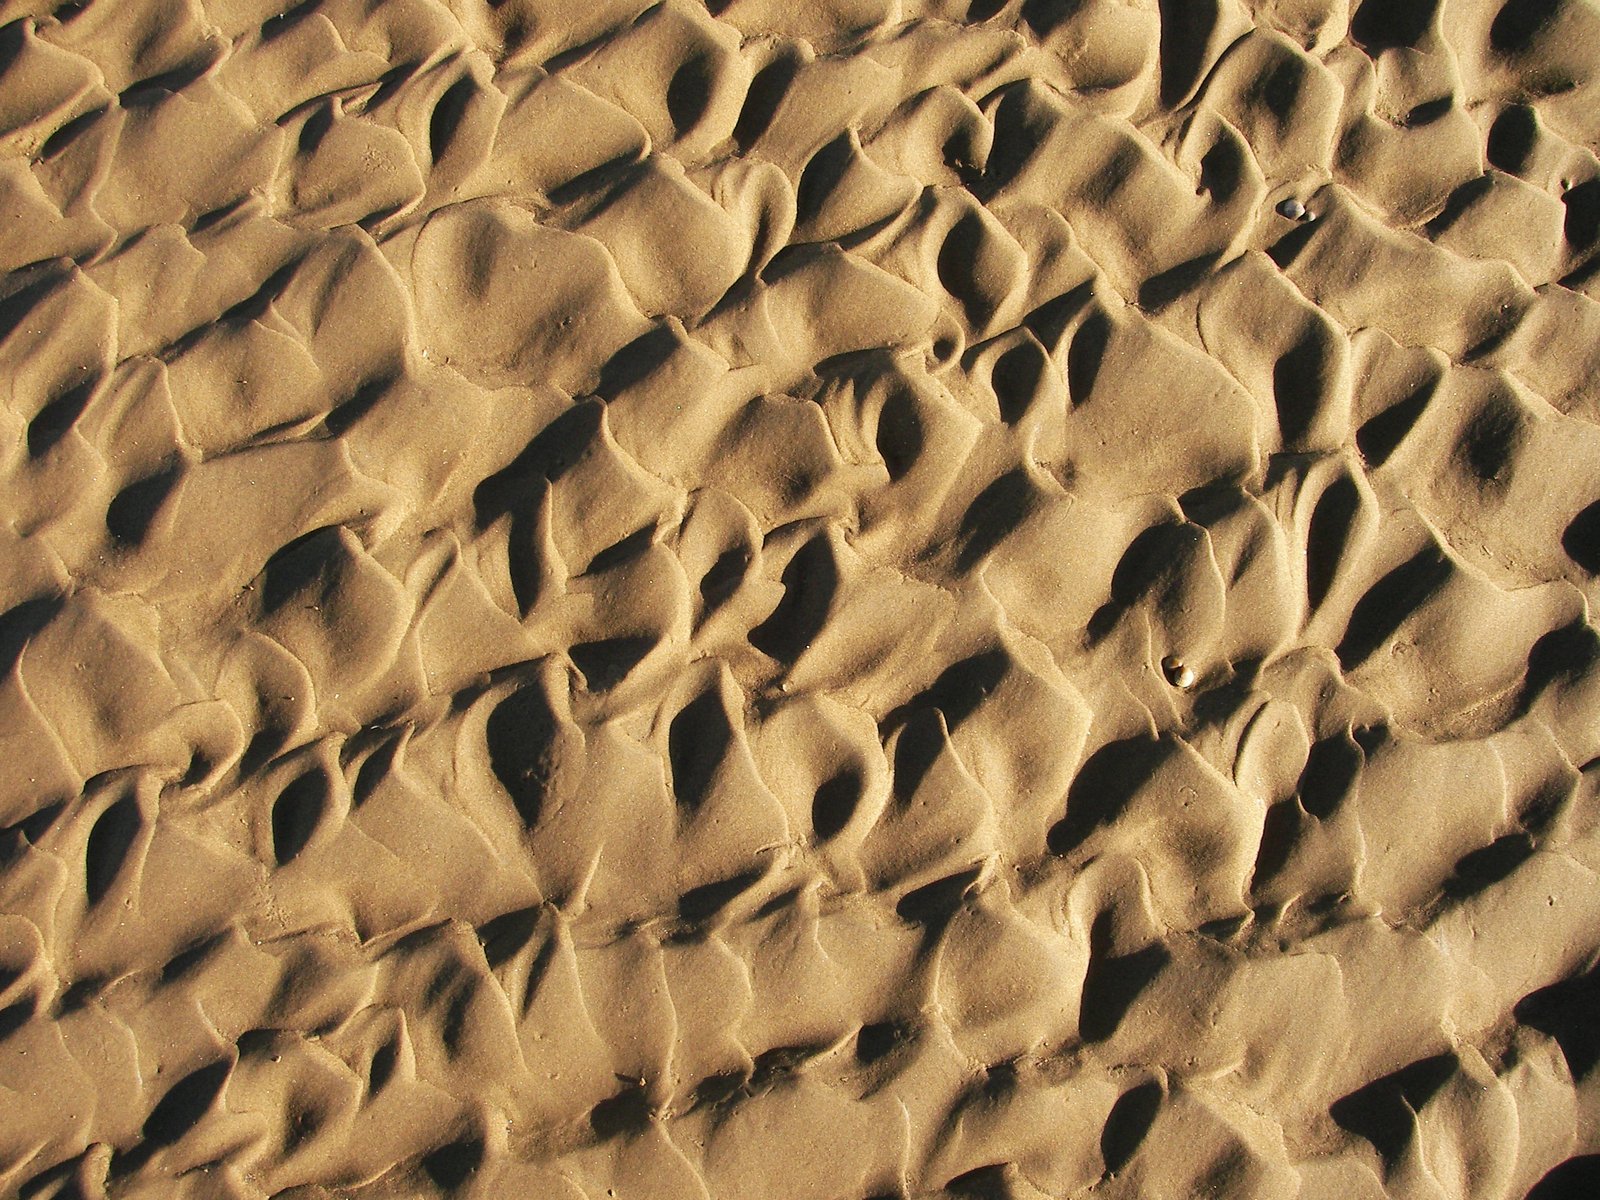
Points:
x=800 y=599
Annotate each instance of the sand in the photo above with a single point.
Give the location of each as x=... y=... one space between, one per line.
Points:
x=800 y=599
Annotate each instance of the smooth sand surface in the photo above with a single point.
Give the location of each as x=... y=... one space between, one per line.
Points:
x=800 y=599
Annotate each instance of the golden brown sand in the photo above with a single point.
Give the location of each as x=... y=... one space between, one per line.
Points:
x=800 y=599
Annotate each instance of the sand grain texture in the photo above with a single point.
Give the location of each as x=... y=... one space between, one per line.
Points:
x=813 y=599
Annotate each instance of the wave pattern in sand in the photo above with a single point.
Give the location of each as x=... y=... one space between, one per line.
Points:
x=828 y=599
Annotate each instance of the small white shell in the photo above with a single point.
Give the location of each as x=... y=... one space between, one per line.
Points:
x=1179 y=674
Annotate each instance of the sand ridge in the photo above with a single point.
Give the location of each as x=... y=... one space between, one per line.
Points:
x=839 y=599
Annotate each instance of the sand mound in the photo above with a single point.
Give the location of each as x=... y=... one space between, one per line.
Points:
x=800 y=598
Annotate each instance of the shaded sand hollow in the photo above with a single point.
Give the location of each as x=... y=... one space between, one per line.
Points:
x=800 y=599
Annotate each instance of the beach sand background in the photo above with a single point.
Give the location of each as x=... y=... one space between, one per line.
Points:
x=799 y=599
